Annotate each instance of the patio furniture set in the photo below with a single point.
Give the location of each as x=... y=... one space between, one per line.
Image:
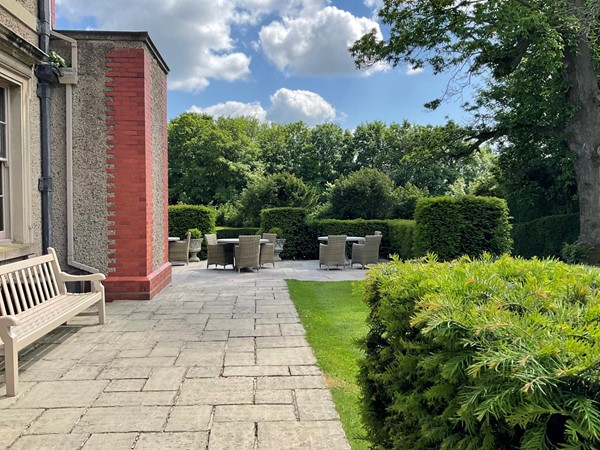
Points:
x=244 y=252
x=365 y=250
x=253 y=251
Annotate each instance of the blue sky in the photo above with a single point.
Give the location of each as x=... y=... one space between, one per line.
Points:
x=276 y=60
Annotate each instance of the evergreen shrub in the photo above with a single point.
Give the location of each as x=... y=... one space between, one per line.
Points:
x=546 y=236
x=234 y=232
x=482 y=354
x=401 y=238
x=297 y=234
x=183 y=217
x=454 y=226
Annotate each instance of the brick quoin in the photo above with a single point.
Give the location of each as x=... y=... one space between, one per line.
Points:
x=129 y=169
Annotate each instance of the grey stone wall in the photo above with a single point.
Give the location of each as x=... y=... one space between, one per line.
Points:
x=17 y=26
x=159 y=157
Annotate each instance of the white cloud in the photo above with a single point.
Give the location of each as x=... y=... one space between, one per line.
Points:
x=286 y=106
x=315 y=44
x=292 y=106
x=194 y=36
x=233 y=109
x=411 y=70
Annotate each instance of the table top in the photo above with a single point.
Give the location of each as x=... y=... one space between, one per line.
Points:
x=173 y=239
x=348 y=238
x=236 y=241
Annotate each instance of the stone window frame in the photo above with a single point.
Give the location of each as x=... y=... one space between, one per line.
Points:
x=18 y=79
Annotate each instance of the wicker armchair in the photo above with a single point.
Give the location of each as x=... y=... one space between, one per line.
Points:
x=179 y=251
x=247 y=253
x=367 y=253
x=267 y=251
x=219 y=255
x=334 y=252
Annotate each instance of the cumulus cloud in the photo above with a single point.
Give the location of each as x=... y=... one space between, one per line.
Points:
x=233 y=109
x=193 y=35
x=315 y=44
x=295 y=105
x=286 y=106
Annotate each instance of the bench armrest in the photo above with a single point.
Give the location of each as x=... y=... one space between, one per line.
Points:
x=94 y=278
x=5 y=323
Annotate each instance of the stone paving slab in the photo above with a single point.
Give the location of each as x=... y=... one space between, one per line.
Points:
x=218 y=360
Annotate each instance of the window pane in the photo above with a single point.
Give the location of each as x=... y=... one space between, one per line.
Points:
x=2 y=140
x=2 y=105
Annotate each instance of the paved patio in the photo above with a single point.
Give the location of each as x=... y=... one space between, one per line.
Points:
x=217 y=361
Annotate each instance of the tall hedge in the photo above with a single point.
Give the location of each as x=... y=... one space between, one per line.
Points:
x=296 y=232
x=183 y=217
x=454 y=226
x=546 y=236
x=401 y=238
x=485 y=354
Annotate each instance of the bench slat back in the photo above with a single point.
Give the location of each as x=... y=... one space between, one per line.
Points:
x=27 y=283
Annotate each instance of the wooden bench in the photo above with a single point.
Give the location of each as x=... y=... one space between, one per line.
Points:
x=34 y=301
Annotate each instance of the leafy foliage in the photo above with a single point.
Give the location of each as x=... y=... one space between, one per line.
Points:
x=546 y=236
x=538 y=64
x=274 y=191
x=456 y=226
x=368 y=194
x=294 y=229
x=482 y=354
x=183 y=218
x=210 y=161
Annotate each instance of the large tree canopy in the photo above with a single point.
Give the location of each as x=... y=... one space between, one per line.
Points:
x=539 y=60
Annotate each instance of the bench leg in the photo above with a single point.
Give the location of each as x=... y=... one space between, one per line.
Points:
x=101 y=312
x=11 y=369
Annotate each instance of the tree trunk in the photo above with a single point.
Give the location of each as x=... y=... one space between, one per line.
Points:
x=584 y=136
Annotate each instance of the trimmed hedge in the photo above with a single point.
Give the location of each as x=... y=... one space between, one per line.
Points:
x=303 y=244
x=485 y=354
x=297 y=234
x=232 y=232
x=183 y=217
x=401 y=237
x=454 y=226
x=546 y=236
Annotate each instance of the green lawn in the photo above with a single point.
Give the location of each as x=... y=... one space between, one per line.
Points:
x=333 y=315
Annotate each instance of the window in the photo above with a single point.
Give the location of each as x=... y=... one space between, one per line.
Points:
x=4 y=175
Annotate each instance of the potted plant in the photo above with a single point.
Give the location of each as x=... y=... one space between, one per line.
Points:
x=195 y=244
x=278 y=241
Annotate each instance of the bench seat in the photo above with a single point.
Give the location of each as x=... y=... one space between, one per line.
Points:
x=34 y=301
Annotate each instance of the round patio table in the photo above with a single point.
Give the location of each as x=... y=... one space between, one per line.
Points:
x=348 y=238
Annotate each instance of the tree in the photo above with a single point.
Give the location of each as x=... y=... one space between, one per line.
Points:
x=274 y=191
x=210 y=161
x=525 y=48
x=366 y=194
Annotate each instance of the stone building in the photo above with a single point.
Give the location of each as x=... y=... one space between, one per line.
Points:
x=83 y=149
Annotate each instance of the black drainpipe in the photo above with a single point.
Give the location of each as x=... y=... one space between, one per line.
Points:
x=45 y=75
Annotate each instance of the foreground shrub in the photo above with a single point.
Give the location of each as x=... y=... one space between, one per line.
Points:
x=454 y=226
x=485 y=354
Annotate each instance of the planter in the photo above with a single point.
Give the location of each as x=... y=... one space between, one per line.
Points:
x=195 y=247
x=278 y=248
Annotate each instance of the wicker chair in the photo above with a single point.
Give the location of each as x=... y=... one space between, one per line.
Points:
x=334 y=252
x=367 y=253
x=219 y=255
x=267 y=251
x=179 y=251
x=247 y=253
